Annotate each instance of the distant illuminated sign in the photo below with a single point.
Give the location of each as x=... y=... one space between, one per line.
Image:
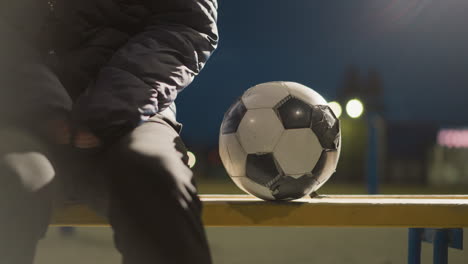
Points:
x=453 y=138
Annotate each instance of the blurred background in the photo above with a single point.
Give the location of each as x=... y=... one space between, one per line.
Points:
x=406 y=61
x=403 y=65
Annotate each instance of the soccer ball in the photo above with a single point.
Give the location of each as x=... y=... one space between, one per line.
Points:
x=280 y=141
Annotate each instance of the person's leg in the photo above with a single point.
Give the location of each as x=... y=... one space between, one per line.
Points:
x=154 y=208
x=26 y=184
x=31 y=96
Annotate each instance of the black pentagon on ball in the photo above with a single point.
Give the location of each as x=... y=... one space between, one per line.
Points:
x=294 y=113
x=262 y=169
x=326 y=127
x=233 y=117
x=289 y=188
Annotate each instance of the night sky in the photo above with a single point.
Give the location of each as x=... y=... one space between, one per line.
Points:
x=420 y=48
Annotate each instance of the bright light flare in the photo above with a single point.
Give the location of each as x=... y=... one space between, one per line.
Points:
x=192 y=159
x=354 y=108
x=336 y=108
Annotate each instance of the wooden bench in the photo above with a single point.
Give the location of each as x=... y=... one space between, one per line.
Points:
x=435 y=211
x=445 y=213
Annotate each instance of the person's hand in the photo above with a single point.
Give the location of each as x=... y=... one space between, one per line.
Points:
x=84 y=139
x=58 y=131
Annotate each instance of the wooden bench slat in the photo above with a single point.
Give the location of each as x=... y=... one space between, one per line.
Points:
x=350 y=196
x=435 y=211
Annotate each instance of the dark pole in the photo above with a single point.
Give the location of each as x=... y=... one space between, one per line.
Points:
x=372 y=153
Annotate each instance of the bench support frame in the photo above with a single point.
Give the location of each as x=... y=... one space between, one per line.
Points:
x=441 y=238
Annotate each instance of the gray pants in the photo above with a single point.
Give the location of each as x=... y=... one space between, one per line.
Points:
x=141 y=183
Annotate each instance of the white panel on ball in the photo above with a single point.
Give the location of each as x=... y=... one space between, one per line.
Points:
x=259 y=131
x=237 y=156
x=329 y=167
x=297 y=151
x=224 y=154
x=265 y=95
x=305 y=93
x=253 y=188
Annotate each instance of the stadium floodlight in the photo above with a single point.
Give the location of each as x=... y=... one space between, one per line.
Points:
x=354 y=108
x=336 y=108
x=192 y=159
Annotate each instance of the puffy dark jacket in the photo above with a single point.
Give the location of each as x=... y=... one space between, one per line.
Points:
x=123 y=61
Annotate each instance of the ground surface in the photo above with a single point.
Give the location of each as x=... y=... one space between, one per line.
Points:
x=258 y=246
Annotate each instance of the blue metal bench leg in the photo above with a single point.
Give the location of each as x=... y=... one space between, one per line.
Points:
x=414 y=245
x=441 y=238
x=441 y=244
x=67 y=231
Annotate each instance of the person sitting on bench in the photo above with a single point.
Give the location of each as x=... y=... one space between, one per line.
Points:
x=87 y=112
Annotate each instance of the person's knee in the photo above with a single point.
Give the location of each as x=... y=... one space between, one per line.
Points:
x=163 y=173
x=24 y=158
x=33 y=170
x=158 y=165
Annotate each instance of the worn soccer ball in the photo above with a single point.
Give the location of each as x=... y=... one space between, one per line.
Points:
x=280 y=141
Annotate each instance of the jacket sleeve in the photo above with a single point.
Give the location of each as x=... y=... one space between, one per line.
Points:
x=146 y=74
